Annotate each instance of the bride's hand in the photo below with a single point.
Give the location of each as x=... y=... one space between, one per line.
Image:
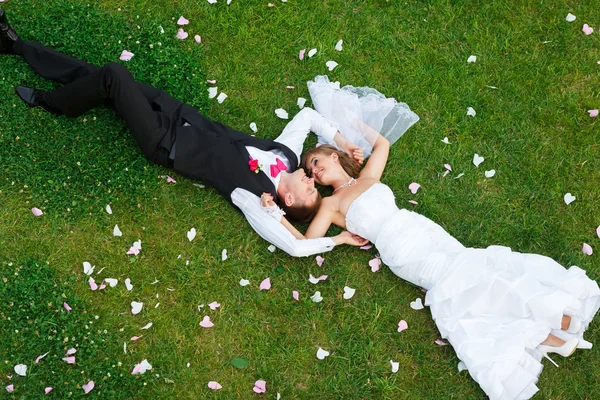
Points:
x=354 y=151
x=266 y=200
x=352 y=239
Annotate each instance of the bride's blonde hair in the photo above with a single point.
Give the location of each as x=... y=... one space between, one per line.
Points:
x=350 y=166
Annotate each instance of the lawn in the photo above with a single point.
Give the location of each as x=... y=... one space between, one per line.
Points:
x=535 y=78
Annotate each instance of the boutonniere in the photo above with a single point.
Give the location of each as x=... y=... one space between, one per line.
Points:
x=254 y=165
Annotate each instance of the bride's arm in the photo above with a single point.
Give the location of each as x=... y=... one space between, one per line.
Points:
x=376 y=163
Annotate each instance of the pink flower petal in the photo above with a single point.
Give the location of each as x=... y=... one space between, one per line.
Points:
x=10 y=388
x=266 y=284
x=587 y=249
x=211 y=81
x=214 y=385
x=289 y=87
x=182 y=21
x=440 y=342
x=412 y=202
x=198 y=39
x=375 y=264
x=402 y=325
x=69 y=360
x=593 y=113
x=181 y=34
x=102 y=286
x=301 y=54
x=296 y=295
x=588 y=30
x=366 y=247
x=134 y=338
x=598 y=231
x=170 y=180
x=67 y=307
x=413 y=187
x=214 y=305
x=36 y=211
x=37 y=360
x=205 y=323
x=260 y=386
x=92 y=283
x=448 y=167
x=48 y=390
x=126 y=55
x=320 y=260
x=133 y=250
x=88 y=387
x=71 y=352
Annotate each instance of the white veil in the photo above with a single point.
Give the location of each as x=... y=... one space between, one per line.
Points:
x=351 y=106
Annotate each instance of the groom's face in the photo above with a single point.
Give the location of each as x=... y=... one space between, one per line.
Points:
x=303 y=187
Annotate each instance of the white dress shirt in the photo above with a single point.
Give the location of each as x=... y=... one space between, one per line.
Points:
x=266 y=225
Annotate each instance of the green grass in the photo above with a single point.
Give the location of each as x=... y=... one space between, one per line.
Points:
x=533 y=130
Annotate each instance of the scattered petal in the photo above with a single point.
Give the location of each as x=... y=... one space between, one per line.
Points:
x=212 y=92
x=272 y=248
x=181 y=34
x=260 y=386
x=312 y=52
x=69 y=360
x=67 y=307
x=182 y=21
x=10 y=388
x=244 y=282
x=296 y=295
x=588 y=30
x=477 y=159
x=331 y=65
x=395 y=366
x=440 y=342
x=490 y=173
x=117 y=231
x=417 y=304
x=471 y=111
x=136 y=307
x=253 y=127
x=290 y=87
x=134 y=338
x=141 y=367
x=314 y=280
x=462 y=366
x=598 y=231
x=281 y=113
x=338 y=45
x=446 y=173
x=366 y=247
x=448 y=167
x=593 y=113
x=348 y=292
x=214 y=305
x=569 y=198
x=402 y=325
x=471 y=59
x=71 y=351
x=445 y=140
x=570 y=17
x=37 y=360
x=36 y=211
x=319 y=260
x=224 y=255
x=88 y=387
x=191 y=234
x=301 y=102
x=92 y=284
x=128 y=284
x=214 y=385
x=170 y=180
x=112 y=282
x=587 y=249
x=206 y=323
x=266 y=284
x=301 y=54
x=221 y=98
x=413 y=202
x=87 y=268
x=459 y=175
x=133 y=250
x=211 y=81
x=375 y=264
x=317 y=298
x=413 y=187
x=125 y=56
x=108 y=209
x=147 y=326
x=321 y=354
x=48 y=389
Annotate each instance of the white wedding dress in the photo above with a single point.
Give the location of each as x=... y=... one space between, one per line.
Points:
x=493 y=305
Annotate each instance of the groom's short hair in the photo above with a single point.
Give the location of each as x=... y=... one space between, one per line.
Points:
x=302 y=212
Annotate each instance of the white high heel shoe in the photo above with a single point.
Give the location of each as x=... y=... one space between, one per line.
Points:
x=565 y=350
x=574 y=325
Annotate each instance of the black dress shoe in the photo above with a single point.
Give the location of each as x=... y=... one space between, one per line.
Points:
x=8 y=36
x=35 y=98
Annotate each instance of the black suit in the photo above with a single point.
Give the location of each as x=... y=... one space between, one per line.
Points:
x=205 y=150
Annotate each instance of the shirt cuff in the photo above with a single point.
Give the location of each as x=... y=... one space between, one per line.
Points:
x=274 y=211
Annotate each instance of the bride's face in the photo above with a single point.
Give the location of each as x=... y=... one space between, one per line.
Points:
x=321 y=167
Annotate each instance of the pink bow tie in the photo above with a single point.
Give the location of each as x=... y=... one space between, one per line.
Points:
x=277 y=168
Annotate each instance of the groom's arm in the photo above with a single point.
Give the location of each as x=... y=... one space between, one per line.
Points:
x=274 y=232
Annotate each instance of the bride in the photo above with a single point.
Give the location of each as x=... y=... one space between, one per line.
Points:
x=501 y=310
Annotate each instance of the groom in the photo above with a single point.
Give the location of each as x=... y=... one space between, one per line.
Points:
x=177 y=136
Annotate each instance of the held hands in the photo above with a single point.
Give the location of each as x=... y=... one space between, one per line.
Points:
x=354 y=151
x=350 y=238
x=266 y=200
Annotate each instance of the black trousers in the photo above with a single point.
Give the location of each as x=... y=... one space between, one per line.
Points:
x=86 y=86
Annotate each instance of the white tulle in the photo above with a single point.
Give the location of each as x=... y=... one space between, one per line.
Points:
x=494 y=305
x=353 y=107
